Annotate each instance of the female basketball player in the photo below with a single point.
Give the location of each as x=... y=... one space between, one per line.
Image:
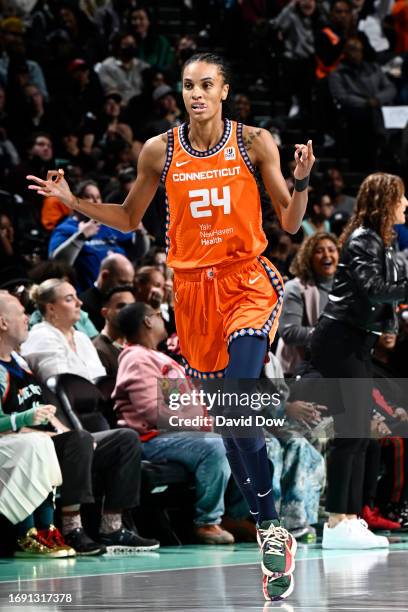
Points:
x=227 y=296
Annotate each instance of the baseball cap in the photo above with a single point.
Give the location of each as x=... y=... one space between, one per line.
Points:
x=77 y=64
x=161 y=91
x=114 y=94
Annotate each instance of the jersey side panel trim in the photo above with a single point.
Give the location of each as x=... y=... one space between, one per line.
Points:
x=169 y=155
x=242 y=148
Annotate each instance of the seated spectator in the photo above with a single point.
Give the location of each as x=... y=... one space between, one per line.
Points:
x=152 y=47
x=296 y=25
x=360 y=88
x=136 y=397
x=338 y=222
x=400 y=22
x=55 y=346
x=185 y=47
x=104 y=465
x=280 y=249
x=7 y=245
x=110 y=342
x=72 y=148
x=242 y=109
x=123 y=70
x=305 y=297
x=334 y=183
x=33 y=116
x=39 y=158
x=399 y=355
x=149 y=285
x=122 y=184
x=84 y=243
x=81 y=33
x=12 y=32
x=30 y=473
x=115 y=269
x=112 y=17
x=298 y=468
x=9 y=156
x=166 y=113
x=150 y=288
x=391 y=401
x=57 y=269
x=319 y=210
x=81 y=95
x=53 y=211
x=330 y=40
x=110 y=122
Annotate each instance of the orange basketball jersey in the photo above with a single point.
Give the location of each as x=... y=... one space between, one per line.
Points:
x=213 y=204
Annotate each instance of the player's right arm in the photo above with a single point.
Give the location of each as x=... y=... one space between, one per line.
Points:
x=124 y=217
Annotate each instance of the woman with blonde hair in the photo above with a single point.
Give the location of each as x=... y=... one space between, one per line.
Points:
x=305 y=297
x=362 y=303
x=54 y=346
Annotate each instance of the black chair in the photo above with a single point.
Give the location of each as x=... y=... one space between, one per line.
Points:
x=105 y=385
x=166 y=486
x=81 y=401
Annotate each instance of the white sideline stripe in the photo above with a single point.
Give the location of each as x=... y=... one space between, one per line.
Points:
x=175 y=569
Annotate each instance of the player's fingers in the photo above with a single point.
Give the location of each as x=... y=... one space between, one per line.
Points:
x=36 y=179
x=37 y=187
x=310 y=147
x=55 y=175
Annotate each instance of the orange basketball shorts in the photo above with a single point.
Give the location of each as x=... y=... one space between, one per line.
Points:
x=214 y=306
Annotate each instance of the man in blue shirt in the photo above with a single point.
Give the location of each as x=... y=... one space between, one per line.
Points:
x=83 y=243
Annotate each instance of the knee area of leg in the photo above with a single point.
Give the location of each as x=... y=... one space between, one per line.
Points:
x=214 y=448
x=229 y=445
x=250 y=445
x=83 y=439
x=128 y=437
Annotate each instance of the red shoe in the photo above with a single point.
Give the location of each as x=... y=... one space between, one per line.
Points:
x=374 y=519
x=53 y=538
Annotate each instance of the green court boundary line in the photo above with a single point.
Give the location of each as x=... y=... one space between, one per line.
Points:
x=170 y=569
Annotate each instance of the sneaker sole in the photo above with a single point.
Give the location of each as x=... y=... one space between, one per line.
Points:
x=27 y=555
x=284 y=595
x=331 y=547
x=113 y=550
x=271 y=574
x=91 y=553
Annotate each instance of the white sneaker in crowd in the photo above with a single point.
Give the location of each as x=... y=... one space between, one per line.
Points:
x=352 y=533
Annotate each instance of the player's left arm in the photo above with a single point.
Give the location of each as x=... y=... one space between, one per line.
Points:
x=264 y=154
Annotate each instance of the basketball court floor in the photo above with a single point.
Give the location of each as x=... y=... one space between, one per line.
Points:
x=210 y=578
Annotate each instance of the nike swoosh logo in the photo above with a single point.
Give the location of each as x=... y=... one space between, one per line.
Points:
x=264 y=494
x=178 y=164
x=251 y=281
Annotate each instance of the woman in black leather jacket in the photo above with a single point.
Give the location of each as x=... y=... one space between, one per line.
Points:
x=365 y=292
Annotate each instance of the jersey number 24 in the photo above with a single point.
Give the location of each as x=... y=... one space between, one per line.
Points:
x=207 y=199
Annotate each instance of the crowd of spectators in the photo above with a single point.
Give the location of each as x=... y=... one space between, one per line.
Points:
x=82 y=87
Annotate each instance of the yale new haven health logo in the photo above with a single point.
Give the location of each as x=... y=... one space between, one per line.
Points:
x=229 y=153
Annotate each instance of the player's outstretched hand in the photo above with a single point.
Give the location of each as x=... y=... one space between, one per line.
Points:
x=54 y=185
x=304 y=160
